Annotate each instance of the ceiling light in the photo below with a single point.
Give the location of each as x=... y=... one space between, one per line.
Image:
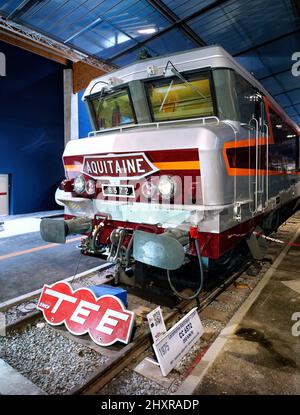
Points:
x=147 y=31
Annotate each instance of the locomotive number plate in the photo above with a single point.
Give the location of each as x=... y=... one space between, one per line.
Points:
x=118 y=191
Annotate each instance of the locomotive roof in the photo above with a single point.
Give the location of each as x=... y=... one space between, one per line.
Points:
x=199 y=58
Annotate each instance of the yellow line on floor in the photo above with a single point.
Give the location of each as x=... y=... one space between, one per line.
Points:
x=36 y=249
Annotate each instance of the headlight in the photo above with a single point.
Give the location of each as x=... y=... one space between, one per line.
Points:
x=90 y=187
x=166 y=186
x=148 y=189
x=79 y=184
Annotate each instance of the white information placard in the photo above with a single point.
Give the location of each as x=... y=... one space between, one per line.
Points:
x=156 y=323
x=173 y=345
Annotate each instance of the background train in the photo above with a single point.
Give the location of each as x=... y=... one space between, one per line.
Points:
x=189 y=155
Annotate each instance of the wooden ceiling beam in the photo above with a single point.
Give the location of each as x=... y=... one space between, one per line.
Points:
x=83 y=74
x=30 y=46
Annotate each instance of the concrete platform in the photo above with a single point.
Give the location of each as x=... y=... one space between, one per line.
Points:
x=17 y=384
x=262 y=354
x=27 y=262
x=19 y=224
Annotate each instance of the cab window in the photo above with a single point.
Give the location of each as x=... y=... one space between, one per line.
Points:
x=173 y=99
x=112 y=110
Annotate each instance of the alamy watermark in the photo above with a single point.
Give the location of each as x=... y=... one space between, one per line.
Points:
x=296 y=65
x=2 y=64
x=296 y=325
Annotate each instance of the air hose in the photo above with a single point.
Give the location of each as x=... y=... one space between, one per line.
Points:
x=94 y=238
x=196 y=294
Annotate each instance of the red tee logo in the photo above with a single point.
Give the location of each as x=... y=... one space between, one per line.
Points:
x=105 y=319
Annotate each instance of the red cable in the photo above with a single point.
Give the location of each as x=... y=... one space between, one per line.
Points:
x=276 y=240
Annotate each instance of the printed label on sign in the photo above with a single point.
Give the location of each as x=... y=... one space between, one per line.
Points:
x=104 y=318
x=156 y=323
x=127 y=166
x=176 y=343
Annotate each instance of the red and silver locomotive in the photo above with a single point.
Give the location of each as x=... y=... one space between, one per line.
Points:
x=189 y=155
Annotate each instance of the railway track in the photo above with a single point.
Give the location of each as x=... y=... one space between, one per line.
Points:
x=141 y=343
x=121 y=357
x=117 y=357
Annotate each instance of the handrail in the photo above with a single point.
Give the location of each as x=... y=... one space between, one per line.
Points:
x=256 y=163
x=267 y=164
x=156 y=124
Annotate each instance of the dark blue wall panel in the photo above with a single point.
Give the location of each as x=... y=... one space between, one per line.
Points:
x=31 y=129
x=83 y=118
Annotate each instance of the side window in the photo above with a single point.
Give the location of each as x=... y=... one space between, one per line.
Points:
x=283 y=154
x=248 y=100
x=224 y=83
x=281 y=130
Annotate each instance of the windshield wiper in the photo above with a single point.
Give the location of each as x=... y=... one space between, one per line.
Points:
x=180 y=76
x=101 y=99
x=166 y=95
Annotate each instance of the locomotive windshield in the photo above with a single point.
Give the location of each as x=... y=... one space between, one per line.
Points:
x=172 y=99
x=112 y=110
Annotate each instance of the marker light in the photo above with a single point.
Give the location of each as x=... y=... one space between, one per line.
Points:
x=90 y=187
x=148 y=189
x=166 y=186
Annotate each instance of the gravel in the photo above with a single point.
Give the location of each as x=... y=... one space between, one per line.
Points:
x=235 y=295
x=212 y=324
x=52 y=362
x=132 y=383
x=99 y=277
x=217 y=305
x=186 y=362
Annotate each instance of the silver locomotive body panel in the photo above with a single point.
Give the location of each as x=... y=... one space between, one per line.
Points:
x=225 y=200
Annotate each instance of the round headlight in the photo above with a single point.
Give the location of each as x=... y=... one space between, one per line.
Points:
x=90 y=187
x=79 y=184
x=148 y=189
x=166 y=186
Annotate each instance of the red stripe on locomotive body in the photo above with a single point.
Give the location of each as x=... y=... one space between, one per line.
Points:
x=214 y=245
x=191 y=154
x=73 y=160
x=73 y=164
x=154 y=156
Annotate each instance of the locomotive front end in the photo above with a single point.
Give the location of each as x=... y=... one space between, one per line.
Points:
x=135 y=205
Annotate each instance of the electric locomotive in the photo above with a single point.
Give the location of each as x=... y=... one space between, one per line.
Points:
x=188 y=156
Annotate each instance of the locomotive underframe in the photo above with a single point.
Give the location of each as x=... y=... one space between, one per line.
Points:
x=113 y=240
